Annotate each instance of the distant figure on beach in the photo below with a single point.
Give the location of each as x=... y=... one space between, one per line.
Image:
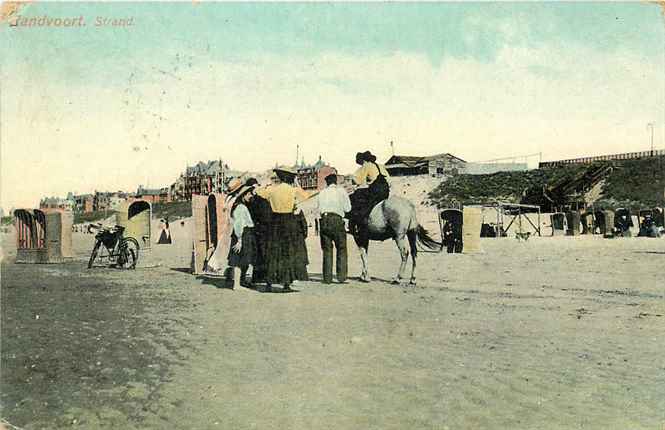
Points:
x=165 y=236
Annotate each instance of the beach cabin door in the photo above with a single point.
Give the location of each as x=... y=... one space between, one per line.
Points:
x=200 y=232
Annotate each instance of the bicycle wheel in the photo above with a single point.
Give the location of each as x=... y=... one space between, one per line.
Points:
x=129 y=253
x=93 y=254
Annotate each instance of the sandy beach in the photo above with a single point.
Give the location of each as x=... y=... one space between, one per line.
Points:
x=530 y=120
x=555 y=333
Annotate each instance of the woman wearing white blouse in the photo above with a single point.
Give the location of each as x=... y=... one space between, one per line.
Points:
x=243 y=241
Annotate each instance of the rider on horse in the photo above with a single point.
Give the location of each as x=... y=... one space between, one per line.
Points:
x=375 y=176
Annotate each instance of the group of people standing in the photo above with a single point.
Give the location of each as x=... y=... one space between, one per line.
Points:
x=268 y=230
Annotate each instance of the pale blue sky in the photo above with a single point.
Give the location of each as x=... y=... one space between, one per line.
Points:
x=248 y=82
x=233 y=31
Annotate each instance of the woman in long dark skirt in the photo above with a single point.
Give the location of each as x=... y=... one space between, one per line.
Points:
x=259 y=209
x=243 y=242
x=286 y=256
x=165 y=236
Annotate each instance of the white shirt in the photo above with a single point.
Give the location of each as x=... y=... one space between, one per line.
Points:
x=333 y=199
x=241 y=219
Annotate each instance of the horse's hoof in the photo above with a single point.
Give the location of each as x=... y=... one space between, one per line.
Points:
x=395 y=281
x=412 y=283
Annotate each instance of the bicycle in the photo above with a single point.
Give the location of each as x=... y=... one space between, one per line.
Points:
x=112 y=246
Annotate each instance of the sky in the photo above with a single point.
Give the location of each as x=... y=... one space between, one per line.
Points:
x=109 y=108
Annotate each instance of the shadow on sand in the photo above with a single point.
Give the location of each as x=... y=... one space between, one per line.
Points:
x=225 y=283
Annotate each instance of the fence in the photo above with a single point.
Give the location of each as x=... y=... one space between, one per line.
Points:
x=612 y=157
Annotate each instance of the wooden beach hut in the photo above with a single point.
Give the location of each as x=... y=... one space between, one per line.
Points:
x=135 y=216
x=210 y=228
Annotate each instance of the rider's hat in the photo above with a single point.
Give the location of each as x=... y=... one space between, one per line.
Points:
x=368 y=156
x=359 y=158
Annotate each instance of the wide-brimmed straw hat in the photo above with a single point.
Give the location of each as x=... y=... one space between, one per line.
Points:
x=234 y=186
x=244 y=190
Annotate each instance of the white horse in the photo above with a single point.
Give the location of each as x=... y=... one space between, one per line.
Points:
x=395 y=218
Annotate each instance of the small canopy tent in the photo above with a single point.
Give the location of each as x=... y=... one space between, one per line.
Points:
x=451 y=229
x=623 y=221
x=588 y=222
x=648 y=223
x=659 y=216
x=599 y=225
x=517 y=214
x=573 y=222
x=558 y=220
x=608 y=223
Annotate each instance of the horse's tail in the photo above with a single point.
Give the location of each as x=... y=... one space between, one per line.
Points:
x=425 y=240
x=412 y=235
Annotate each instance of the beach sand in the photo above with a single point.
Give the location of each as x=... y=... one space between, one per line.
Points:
x=548 y=333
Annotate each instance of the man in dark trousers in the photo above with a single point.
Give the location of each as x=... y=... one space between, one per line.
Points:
x=333 y=202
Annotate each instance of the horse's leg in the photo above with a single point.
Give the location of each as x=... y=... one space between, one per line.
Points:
x=411 y=234
x=362 y=241
x=413 y=270
x=404 y=255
